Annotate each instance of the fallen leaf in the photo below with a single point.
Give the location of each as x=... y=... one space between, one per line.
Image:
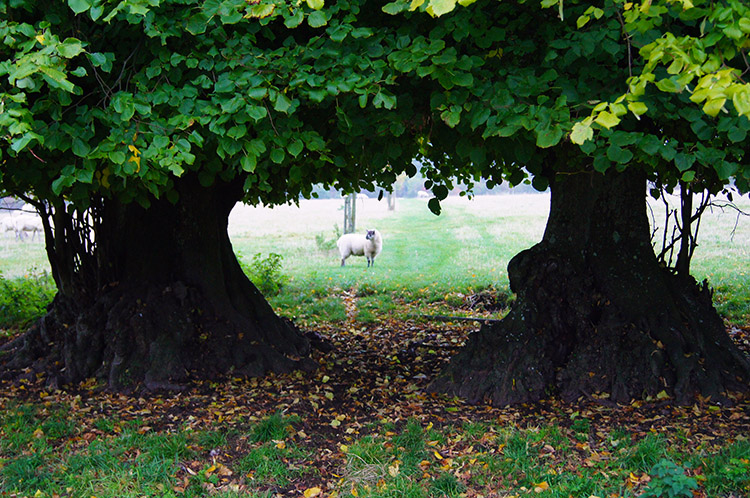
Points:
x=541 y=486
x=314 y=491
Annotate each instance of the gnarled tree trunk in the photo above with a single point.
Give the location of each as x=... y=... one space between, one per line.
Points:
x=156 y=296
x=595 y=313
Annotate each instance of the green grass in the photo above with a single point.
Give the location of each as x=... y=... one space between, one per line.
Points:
x=431 y=261
x=45 y=450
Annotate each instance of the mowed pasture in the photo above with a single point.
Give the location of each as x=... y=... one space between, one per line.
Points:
x=426 y=257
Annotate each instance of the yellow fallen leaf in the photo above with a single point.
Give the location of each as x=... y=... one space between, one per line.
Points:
x=438 y=455
x=335 y=423
x=280 y=444
x=541 y=486
x=343 y=448
x=393 y=470
x=314 y=491
x=662 y=395
x=39 y=433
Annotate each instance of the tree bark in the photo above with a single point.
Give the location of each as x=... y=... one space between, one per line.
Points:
x=162 y=298
x=595 y=313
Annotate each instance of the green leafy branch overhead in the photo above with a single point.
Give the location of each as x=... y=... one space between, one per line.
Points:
x=704 y=56
x=119 y=98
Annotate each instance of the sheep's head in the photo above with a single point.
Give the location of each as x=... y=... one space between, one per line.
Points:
x=370 y=234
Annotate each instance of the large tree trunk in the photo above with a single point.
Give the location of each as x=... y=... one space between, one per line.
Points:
x=595 y=313
x=159 y=296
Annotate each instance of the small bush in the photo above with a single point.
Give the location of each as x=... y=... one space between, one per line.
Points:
x=266 y=274
x=668 y=480
x=325 y=244
x=25 y=299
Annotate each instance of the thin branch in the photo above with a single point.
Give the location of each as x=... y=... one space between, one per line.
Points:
x=627 y=41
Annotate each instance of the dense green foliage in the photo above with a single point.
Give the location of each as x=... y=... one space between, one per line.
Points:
x=708 y=53
x=118 y=99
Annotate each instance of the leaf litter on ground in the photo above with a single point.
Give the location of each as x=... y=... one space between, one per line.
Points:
x=370 y=387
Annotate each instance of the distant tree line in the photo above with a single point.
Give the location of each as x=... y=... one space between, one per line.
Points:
x=410 y=187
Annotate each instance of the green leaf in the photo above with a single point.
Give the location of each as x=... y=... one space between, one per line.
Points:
x=117 y=156
x=714 y=106
x=278 y=155
x=70 y=48
x=80 y=148
x=248 y=162
x=619 y=155
x=434 y=206
x=602 y=164
x=361 y=33
x=282 y=103
x=394 y=8
x=261 y=11
x=256 y=112
x=688 y=176
x=607 y=119
x=18 y=144
x=549 y=137
x=741 y=101
x=737 y=135
x=440 y=7
x=581 y=133
x=317 y=19
x=725 y=169
x=668 y=85
x=637 y=108
x=315 y=4
x=296 y=147
x=79 y=6
x=295 y=19
x=463 y=79
x=57 y=79
x=197 y=24
x=440 y=191
x=451 y=116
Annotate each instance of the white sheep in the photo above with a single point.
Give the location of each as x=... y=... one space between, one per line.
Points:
x=27 y=223
x=357 y=244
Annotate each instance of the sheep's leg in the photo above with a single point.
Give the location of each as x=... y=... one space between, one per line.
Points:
x=342 y=261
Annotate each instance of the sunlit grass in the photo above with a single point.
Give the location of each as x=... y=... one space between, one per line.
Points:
x=426 y=257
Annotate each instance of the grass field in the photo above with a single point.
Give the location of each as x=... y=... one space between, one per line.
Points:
x=362 y=424
x=425 y=257
x=464 y=250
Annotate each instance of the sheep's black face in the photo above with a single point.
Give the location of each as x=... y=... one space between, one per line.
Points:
x=370 y=234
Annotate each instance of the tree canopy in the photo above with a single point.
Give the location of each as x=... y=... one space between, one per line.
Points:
x=118 y=99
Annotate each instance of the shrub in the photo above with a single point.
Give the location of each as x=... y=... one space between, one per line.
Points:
x=668 y=480
x=25 y=299
x=265 y=273
x=325 y=244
